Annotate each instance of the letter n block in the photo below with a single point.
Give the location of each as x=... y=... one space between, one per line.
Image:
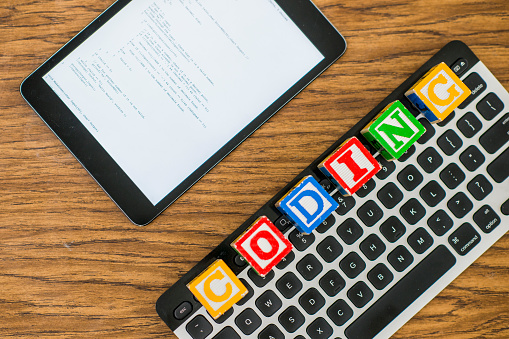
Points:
x=438 y=93
x=307 y=205
x=263 y=246
x=217 y=288
x=393 y=131
x=350 y=166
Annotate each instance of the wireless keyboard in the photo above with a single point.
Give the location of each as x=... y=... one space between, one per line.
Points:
x=388 y=249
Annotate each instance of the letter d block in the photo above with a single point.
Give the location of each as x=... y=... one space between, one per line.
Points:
x=263 y=246
x=438 y=93
x=393 y=131
x=217 y=288
x=350 y=166
x=307 y=205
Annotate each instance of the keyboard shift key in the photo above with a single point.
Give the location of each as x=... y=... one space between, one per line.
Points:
x=430 y=160
x=452 y=176
x=464 y=239
x=496 y=136
x=469 y=125
x=291 y=319
x=486 y=219
x=479 y=187
x=380 y=276
x=271 y=332
x=349 y=231
x=460 y=205
x=449 y=142
x=440 y=222
x=360 y=294
x=332 y=283
x=392 y=229
x=340 y=312
x=472 y=158
x=499 y=168
x=311 y=301
x=490 y=106
x=400 y=258
x=505 y=208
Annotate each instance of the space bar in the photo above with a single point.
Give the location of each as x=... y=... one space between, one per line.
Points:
x=402 y=294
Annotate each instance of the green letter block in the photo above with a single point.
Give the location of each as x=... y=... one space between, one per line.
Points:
x=393 y=131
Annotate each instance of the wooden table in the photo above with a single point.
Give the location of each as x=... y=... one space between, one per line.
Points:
x=71 y=264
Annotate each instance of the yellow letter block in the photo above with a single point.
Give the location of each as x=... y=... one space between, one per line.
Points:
x=217 y=288
x=438 y=93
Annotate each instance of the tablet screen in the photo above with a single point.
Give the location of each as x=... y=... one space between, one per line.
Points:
x=164 y=84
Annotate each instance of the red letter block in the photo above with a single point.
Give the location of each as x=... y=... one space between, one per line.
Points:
x=262 y=245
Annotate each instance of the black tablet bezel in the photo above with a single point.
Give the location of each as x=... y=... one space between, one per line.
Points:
x=101 y=165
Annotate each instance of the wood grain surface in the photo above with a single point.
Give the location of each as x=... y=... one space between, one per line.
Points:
x=72 y=265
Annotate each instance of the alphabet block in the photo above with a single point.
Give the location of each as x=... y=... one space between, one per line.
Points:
x=350 y=166
x=307 y=204
x=393 y=131
x=217 y=288
x=438 y=93
x=262 y=245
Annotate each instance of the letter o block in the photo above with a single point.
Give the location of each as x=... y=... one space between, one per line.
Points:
x=438 y=93
x=263 y=246
x=217 y=288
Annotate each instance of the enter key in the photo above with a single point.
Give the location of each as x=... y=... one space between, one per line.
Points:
x=496 y=136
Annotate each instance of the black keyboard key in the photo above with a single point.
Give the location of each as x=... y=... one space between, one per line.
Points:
x=430 y=131
x=257 y=279
x=392 y=229
x=472 y=158
x=326 y=224
x=370 y=213
x=499 y=168
x=352 y=265
x=390 y=195
x=432 y=193
x=490 y=106
x=311 y=301
x=380 y=276
x=199 y=327
x=460 y=205
x=430 y=160
x=449 y=142
x=327 y=185
x=291 y=319
x=268 y=303
x=332 y=283
x=486 y=219
x=372 y=247
x=224 y=316
x=286 y=261
x=319 y=329
x=444 y=122
x=408 y=153
x=387 y=168
x=309 y=267
x=360 y=294
x=350 y=231
x=227 y=333
x=301 y=241
x=412 y=211
x=249 y=294
x=271 y=332
x=505 y=208
x=339 y=312
x=283 y=223
x=479 y=187
x=440 y=222
x=366 y=188
x=477 y=85
x=452 y=176
x=289 y=285
x=496 y=136
x=402 y=294
x=420 y=240
x=240 y=261
x=460 y=66
x=464 y=239
x=329 y=249
x=345 y=203
x=248 y=321
x=400 y=258
x=410 y=177
x=469 y=125
x=183 y=310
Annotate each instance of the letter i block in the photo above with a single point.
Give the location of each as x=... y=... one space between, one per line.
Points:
x=217 y=288
x=438 y=93
x=350 y=166
x=393 y=131
x=263 y=246
x=307 y=205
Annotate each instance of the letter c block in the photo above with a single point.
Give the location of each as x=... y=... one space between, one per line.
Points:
x=438 y=93
x=217 y=288
x=262 y=245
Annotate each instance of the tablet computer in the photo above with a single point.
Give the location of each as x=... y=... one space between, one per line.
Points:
x=152 y=94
